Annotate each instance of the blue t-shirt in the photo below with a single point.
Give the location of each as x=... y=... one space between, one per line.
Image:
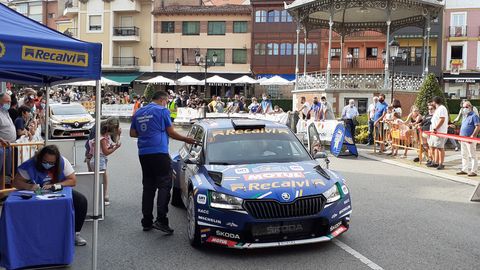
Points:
x=20 y=123
x=266 y=103
x=380 y=108
x=468 y=124
x=151 y=123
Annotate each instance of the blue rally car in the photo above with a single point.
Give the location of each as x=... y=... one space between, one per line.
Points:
x=253 y=184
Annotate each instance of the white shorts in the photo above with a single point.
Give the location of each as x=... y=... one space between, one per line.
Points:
x=436 y=142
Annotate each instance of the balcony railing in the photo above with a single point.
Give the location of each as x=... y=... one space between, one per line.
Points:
x=126 y=31
x=125 y=61
x=372 y=63
x=457 y=31
x=72 y=32
x=361 y=81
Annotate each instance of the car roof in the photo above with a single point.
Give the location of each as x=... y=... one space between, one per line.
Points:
x=226 y=123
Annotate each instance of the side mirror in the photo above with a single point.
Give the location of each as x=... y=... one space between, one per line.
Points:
x=320 y=155
x=192 y=161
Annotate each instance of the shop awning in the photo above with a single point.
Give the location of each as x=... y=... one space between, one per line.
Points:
x=124 y=78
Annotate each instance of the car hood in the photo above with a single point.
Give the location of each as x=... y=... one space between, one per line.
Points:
x=68 y=119
x=280 y=181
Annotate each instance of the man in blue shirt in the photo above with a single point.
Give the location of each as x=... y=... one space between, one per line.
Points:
x=317 y=110
x=470 y=128
x=380 y=111
x=152 y=126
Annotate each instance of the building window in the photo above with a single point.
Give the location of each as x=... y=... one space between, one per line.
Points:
x=95 y=23
x=456 y=52
x=220 y=56
x=302 y=49
x=260 y=16
x=22 y=8
x=272 y=48
x=240 y=27
x=216 y=28
x=273 y=16
x=372 y=53
x=51 y=15
x=167 y=56
x=191 y=28
x=285 y=16
x=188 y=57
x=168 y=27
x=259 y=49
x=286 y=49
x=312 y=48
x=35 y=12
x=335 y=52
x=239 y=56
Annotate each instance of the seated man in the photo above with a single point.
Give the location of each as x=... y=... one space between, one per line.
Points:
x=44 y=170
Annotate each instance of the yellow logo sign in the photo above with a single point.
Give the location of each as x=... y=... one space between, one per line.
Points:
x=48 y=55
x=2 y=49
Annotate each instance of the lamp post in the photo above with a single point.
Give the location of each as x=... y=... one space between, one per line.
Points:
x=151 y=50
x=178 y=64
x=206 y=63
x=393 y=48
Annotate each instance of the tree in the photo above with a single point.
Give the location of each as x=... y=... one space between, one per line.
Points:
x=429 y=89
x=148 y=93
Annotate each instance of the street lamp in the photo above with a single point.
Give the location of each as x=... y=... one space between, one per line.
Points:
x=393 y=48
x=178 y=64
x=206 y=63
x=152 y=54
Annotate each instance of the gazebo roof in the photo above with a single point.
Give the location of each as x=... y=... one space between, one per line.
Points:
x=359 y=15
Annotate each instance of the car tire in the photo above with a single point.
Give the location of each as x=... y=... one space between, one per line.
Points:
x=193 y=231
x=177 y=197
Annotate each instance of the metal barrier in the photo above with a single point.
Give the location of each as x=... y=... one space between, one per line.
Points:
x=12 y=155
x=398 y=137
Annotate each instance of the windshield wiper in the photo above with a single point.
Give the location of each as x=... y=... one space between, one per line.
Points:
x=322 y=172
x=219 y=163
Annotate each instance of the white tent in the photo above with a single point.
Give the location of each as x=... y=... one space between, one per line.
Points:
x=262 y=79
x=160 y=80
x=216 y=80
x=187 y=80
x=276 y=80
x=244 y=80
x=103 y=81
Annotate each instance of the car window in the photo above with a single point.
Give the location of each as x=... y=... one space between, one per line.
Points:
x=197 y=149
x=186 y=147
x=68 y=110
x=228 y=146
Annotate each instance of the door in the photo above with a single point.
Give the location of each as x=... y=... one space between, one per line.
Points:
x=126 y=56
x=126 y=26
x=196 y=155
x=458 y=27
x=184 y=155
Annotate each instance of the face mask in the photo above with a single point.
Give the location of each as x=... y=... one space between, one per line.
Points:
x=170 y=100
x=467 y=110
x=315 y=102
x=6 y=106
x=43 y=106
x=33 y=109
x=47 y=166
x=264 y=98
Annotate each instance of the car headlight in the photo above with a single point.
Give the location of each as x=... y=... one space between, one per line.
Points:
x=224 y=201
x=89 y=125
x=332 y=195
x=55 y=122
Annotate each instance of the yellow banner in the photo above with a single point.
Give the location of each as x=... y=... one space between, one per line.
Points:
x=48 y=55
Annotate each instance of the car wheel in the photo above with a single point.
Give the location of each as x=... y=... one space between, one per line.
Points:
x=192 y=228
x=177 y=197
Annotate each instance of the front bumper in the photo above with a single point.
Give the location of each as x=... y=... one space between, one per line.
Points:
x=62 y=132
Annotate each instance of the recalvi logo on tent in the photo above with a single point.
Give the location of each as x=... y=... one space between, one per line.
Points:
x=48 y=55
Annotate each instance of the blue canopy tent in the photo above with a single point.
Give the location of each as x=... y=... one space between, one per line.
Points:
x=32 y=53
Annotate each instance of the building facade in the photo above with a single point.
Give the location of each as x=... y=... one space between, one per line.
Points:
x=183 y=31
x=461 y=49
x=123 y=27
x=42 y=11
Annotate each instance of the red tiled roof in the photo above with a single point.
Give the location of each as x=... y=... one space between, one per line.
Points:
x=224 y=9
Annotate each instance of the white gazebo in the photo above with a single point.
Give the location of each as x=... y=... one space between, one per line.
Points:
x=103 y=82
x=216 y=80
x=160 y=80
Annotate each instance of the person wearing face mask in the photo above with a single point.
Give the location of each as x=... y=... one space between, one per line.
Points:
x=461 y=114
x=8 y=135
x=349 y=113
x=316 y=109
x=380 y=111
x=49 y=169
x=152 y=126
x=303 y=109
x=440 y=125
x=266 y=104
x=23 y=123
x=470 y=128
x=327 y=109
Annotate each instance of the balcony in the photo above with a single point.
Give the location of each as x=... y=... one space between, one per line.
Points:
x=71 y=8
x=457 y=31
x=123 y=64
x=130 y=33
x=372 y=63
x=71 y=32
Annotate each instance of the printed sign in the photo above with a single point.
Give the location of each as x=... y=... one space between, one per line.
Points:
x=54 y=56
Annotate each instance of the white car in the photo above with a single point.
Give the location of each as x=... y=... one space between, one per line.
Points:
x=69 y=120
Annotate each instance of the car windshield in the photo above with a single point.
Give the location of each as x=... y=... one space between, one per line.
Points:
x=267 y=145
x=68 y=110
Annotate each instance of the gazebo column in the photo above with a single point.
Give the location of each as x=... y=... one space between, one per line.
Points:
x=305 y=33
x=329 y=63
x=297 y=55
x=342 y=43
x=427 y=54
x=387 y=56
